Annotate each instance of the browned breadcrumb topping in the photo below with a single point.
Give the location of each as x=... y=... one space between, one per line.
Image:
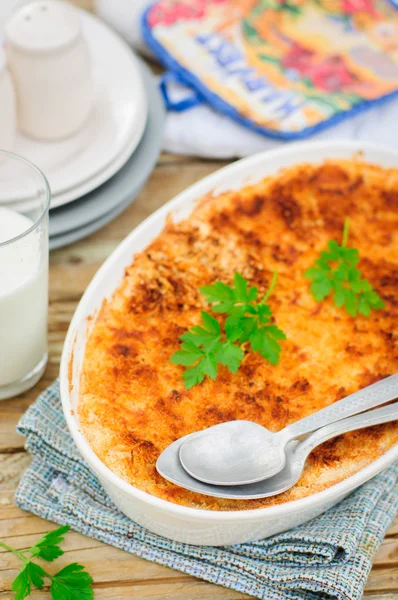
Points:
x=133 y=402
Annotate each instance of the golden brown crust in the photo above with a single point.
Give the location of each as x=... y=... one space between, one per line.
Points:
x=133 y=402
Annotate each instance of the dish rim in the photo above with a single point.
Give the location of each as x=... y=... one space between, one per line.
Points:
x=80 y=318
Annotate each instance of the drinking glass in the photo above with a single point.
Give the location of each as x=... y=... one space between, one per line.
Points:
x=24 y=203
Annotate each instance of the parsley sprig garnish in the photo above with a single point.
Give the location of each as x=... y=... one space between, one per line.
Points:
x=70 y=583
x=336 y=272
x=207 y=345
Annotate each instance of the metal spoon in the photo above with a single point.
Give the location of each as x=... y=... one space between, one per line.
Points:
x=169 y=466
x=243 y=452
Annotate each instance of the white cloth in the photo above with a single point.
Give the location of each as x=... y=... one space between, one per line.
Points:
x=125 y=17
x=201 y=131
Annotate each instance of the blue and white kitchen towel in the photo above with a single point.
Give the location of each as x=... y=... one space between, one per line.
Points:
x=328 y=558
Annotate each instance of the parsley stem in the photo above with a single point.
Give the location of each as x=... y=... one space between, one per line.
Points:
x=271 y=287
x=345 y=232
x=17 y=552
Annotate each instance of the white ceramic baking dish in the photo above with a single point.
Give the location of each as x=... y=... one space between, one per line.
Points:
x=181 y=523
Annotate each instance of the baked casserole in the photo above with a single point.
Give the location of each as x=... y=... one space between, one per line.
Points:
x=133 y=402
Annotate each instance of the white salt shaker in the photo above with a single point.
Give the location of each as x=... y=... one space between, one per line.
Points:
x=50 y=63
x=7 y=107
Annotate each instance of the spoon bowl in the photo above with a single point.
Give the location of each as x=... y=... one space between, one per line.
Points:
x=243 y=452
x=169 y=465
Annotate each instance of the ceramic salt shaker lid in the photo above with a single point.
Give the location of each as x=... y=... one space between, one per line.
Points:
x=43 y=26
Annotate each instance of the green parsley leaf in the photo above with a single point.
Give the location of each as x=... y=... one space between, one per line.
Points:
x=335 y=272
x=21 y=585
x=199 y=346
x=188 y=354
x=206 y=337
x=350 y=302
x=48 y=546
x=72 y=583
x=210 y=365
x=224 y=297
x=315 y=273
x=230 y=356
x=374 y=300
x=338 y=293
x=264 y=313
x=320 y=288
x=211 y=324
x=275 y=332
x=264 y=341
x=221 y=293
x=363 y=306
x=194 y=375
x=206 y=345
x=239 y=328
x=31 y=574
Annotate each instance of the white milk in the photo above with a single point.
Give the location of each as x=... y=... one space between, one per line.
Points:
x=23 y=299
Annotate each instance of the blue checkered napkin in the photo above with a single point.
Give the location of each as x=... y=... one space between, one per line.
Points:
x=328 y=558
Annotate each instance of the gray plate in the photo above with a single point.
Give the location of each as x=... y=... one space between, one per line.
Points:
x=94 y=210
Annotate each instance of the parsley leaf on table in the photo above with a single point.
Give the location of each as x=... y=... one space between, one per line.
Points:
x=30 y=574
x=48 y=546
x=207 y=345
x=71 y=583
x=335 y=272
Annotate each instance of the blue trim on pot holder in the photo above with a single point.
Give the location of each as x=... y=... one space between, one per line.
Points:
x=181 y=105
x=188 y=78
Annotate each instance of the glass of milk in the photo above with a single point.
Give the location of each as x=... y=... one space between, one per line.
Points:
x=24 y=204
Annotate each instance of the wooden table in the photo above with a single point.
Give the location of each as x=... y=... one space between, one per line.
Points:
x=117 y=574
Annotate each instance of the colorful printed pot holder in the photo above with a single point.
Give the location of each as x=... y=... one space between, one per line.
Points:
x=285 y=68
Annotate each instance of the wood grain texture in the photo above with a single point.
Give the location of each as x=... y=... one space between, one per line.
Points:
x=117 y=574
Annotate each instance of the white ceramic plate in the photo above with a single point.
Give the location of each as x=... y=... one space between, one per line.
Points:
x=176 y=522
x=84 y=161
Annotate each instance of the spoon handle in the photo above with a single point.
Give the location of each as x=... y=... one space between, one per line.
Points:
x=385 y=414
x=378 y=393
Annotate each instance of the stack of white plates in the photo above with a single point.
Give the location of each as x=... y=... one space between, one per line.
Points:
x=96 y=173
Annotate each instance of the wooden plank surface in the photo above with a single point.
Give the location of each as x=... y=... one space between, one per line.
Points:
x=118 y=574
